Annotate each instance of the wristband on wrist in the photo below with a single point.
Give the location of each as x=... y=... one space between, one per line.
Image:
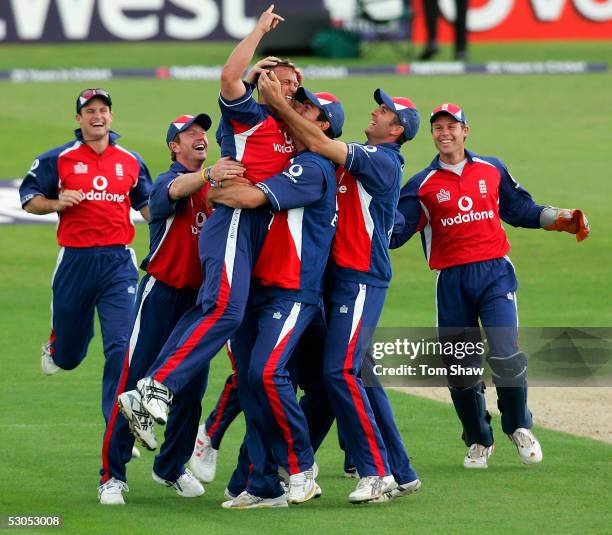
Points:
x=207 y=175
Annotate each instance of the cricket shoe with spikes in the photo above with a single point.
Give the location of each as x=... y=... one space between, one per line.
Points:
x=187 y=485
x=47 y=364
x=250 y=501
x=368 y=489
x=203 y=462
x=478 y=455
x=139 y=420
x=527 y=446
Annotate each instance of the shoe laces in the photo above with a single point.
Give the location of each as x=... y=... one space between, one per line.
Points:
x=187 y=475
x=523 y=438
x=161 y=393
x=477 y=450
x=369 y=481
x=248 y=498
x=115 y=485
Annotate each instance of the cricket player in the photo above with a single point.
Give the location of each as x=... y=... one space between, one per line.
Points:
x=231 y=239
x=287 y=296
x=169 y=289
x=92 y=183
x=203 y=462
x=368 y=183
x=458 y=203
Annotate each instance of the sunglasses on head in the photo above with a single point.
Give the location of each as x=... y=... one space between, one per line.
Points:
x=90 y=93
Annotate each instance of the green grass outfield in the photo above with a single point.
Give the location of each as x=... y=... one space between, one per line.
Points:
x=553 y=133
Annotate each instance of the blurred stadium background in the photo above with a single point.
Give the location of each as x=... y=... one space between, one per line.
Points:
x=537 y=91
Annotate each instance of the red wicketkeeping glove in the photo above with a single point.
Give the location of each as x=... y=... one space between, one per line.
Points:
x=572 y=221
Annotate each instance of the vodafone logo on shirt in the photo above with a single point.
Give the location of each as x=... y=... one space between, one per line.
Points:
x=467 y=215
x=99 y=193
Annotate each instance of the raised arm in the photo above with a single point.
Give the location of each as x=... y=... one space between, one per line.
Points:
x=308 y=133
x=232 y=86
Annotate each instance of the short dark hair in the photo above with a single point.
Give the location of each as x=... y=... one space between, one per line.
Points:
x=282 y=63
x=401 y=139
x=323 y=118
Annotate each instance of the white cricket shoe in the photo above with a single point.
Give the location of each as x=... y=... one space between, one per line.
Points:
x=135 y=453
x=203 y=462
x=47 y=363
x=478 y=455
x=368 y=489
x=186 y=485
x=400 y=490
x=249 y=501
x=111 y=492
x=302 y=486
x=527 y=445
x=139 y=420
x=156 y=399
x=284 y=475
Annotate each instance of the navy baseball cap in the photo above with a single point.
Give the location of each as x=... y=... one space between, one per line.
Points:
x=87 y=94
x=328 y=104
x=450 y=109
x=182 y=123
x=405 y=110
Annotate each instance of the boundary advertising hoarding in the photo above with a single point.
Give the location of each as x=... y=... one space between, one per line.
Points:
x=30 y=21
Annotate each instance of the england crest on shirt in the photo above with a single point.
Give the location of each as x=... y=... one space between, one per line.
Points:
x=80 y=169
x=443 y=195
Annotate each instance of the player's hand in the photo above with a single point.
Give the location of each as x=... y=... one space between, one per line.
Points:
x=572 y=221
x=67 y=199
x=270 y=89
x=226 y=168
x=268 y=20
x=211 y=198
x=263 y=65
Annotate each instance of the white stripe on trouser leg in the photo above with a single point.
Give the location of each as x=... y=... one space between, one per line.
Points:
x=60 y=257
x=358 y=309
x=289 y=322
x=133 y=257
x=136 y=328
x=230 y=245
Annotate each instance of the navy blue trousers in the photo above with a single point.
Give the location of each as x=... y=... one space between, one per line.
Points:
x=230 y=242
x=226 y=408
x=484 y=291
x=102 y=278
x=158 y=309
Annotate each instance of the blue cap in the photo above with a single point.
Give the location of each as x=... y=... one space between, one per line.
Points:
x=405 y=110
x=328 y=104
x=182 y=123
